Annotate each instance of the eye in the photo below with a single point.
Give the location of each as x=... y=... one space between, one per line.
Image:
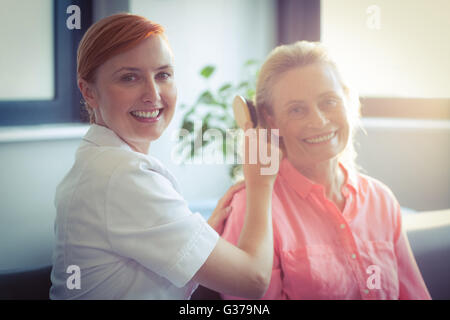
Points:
x=129 y=77
x=331 y=102
x=296 y=111
x=163 y=75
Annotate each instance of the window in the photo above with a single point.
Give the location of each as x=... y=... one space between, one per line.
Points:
x=298 y=20
x=395 y=52
x=38 y=84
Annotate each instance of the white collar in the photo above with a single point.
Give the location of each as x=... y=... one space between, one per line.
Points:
x=105 y=137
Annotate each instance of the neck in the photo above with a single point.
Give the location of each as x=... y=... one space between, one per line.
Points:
x=327 y=173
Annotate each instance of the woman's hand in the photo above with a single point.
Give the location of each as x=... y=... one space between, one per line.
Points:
x=265 y=170
x=222 y=210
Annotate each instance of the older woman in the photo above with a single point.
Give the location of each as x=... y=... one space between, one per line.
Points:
x=123 y=231
x=337 y=233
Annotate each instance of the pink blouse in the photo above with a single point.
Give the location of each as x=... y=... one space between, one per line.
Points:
x=323 y=253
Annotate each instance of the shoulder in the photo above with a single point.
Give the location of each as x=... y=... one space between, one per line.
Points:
x=375 y=196
x=111 y=161
x=240 y=197
x=131 y=170
x=140 y=188
x=368 y=185
x=112 y=170
x=108 y=159
x=239 y=205
x=239 y=200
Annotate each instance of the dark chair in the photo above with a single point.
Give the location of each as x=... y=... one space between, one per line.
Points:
x=31 y=284
x=203 y=293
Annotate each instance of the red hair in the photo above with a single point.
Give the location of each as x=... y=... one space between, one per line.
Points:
x=109 y=37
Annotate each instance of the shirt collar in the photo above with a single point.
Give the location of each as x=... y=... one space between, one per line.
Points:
x=105 y=137
x=303 y=186
x=351 y=177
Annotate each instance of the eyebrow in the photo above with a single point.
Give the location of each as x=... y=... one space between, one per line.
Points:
x=327 y=93
x=166 y=66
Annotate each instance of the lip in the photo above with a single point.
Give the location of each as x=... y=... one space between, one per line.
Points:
x=320 y=135
x=146 y=110
x=147 y=120
x=334 y=133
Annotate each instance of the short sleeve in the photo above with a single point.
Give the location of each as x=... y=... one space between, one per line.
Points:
x=148 y=221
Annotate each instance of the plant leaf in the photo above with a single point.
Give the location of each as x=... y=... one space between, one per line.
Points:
x=188 y=125
x=243 y=84
x=225 y=87
x=207 y=98
x=207 y=71
x=250 y=62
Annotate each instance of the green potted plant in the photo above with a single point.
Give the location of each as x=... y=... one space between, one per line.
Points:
x=213 y=110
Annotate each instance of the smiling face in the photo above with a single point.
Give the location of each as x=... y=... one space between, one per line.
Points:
x=308 y=108
x=134 y=93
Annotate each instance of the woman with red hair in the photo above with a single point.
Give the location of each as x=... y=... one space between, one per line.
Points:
x=123 y=231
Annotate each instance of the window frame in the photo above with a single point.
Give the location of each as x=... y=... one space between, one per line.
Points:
x=65 y=106
x=293 y=28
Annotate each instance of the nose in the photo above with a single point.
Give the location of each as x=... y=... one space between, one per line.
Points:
x=317 y=119
x=150 y=91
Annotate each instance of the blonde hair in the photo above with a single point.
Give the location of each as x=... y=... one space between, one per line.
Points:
x=300 y=54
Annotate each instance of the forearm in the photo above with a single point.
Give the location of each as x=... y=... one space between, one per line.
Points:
x=256 y=238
